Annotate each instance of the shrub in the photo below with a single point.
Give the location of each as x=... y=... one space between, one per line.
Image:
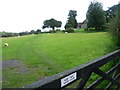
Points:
x=90 y=29
x=69 y=30
x=57 y=29
x=38 y=31
x=114 y=28
x=106 y=27
x=68 y=26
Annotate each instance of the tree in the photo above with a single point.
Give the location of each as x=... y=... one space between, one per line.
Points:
x=95 y=16
x=24 y=33
x=52 y=23
x=8 y=34
x=114 y=26
x=72 y=19
x=32 y=32
x=110 y=13
x=114 y=29
x=68 y=26
x=38 y=31
x=72 y=13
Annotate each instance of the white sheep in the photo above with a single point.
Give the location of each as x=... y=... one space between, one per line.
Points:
x=66 y=32
x=6 y=44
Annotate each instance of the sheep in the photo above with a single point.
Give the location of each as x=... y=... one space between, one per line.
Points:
x=66 y=32
x=6 y=44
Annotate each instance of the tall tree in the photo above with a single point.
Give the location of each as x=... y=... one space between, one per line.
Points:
x=72 y=19
x=51 y=23
x=72 y=13
x=114 y=26
x=110 y=13
x=95 y=16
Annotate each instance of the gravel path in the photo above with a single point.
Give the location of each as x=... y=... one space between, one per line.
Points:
x=17 y=66
x=10 y=63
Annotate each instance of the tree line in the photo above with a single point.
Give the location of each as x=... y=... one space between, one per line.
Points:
x=10 y=34
x=96 y=18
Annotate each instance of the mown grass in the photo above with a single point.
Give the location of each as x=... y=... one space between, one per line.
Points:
x=48 y=54
x=79 y=30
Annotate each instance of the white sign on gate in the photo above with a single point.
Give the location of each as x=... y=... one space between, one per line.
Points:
x=68 y=79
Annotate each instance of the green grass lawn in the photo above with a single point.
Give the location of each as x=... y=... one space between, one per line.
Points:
x=48 y=54
x=79 y=30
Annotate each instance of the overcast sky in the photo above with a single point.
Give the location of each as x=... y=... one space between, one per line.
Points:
x=26 y=15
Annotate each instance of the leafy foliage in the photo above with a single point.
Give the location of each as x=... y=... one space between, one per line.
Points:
x=110 y=13
x=95 y=16
x=38 y=31
x=72 y=13
x=69 y=30
x=51 y=23
x=8 y=34
x=114 y=26
x=114 y=29
x=68 y=26
x=71 y=19
x=32 y=32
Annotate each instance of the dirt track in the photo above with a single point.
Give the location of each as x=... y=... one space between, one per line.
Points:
x=10 y=63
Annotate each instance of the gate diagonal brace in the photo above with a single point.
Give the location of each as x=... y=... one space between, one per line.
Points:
x=105 y=76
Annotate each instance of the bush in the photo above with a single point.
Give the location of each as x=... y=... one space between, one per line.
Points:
x=90 y=29
x=38 y=31
x=68 y=26
x=52 y=31
x=106 y=27
x=57 y=29
x=69 y=30
x=86 y=29
x=114 y=28
x=8 y=34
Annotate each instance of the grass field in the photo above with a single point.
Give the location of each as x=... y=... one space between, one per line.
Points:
x=47 y=54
